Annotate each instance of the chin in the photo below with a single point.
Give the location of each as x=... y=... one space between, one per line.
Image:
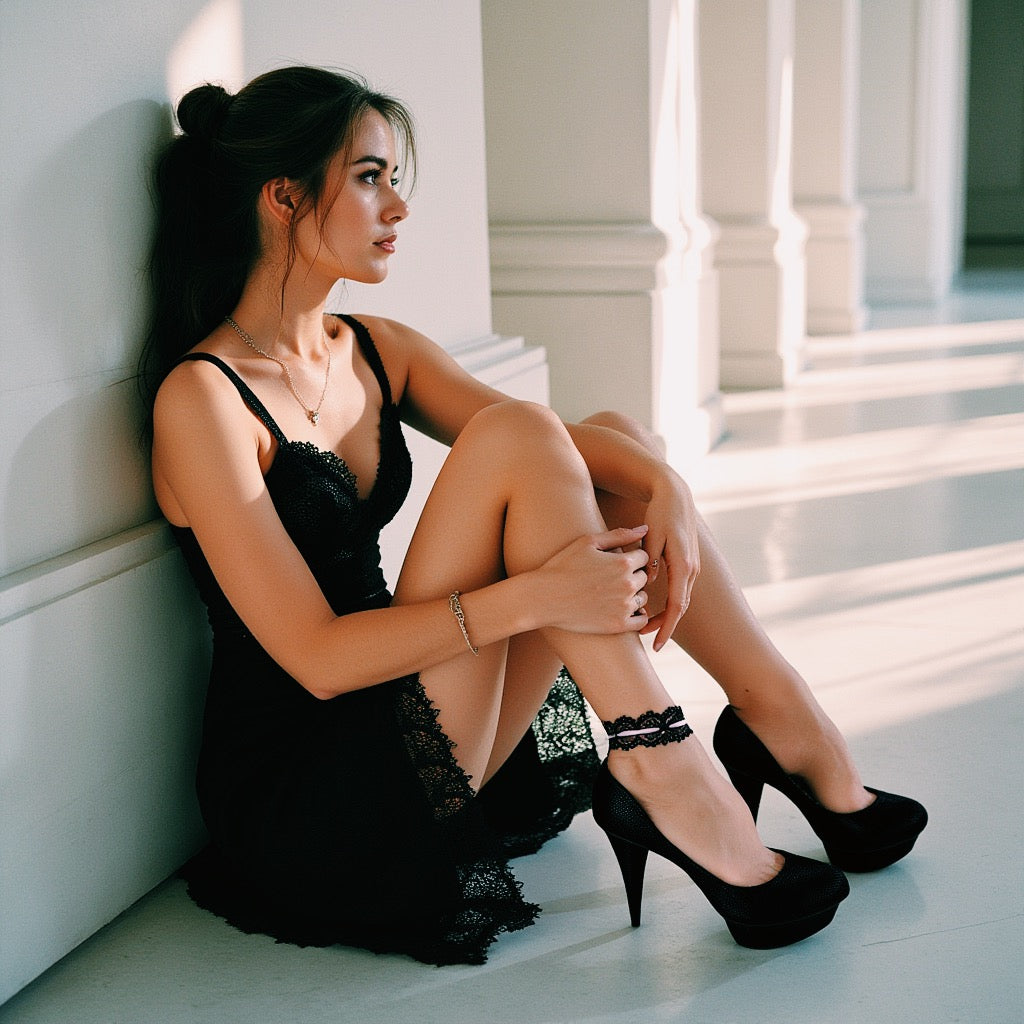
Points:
x=370 y=277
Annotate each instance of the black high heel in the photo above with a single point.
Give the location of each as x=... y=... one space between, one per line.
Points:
x=865 y=840
x=799 y=901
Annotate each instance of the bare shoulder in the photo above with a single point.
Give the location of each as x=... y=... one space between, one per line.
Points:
x=198 y=407
x=194 y=387
x=399 y=345
x=391 y=334
x=400 y=341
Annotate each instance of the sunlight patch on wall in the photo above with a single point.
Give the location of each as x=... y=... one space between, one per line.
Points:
x=210 y=50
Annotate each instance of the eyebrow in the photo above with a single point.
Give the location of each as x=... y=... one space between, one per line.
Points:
x=379 y=161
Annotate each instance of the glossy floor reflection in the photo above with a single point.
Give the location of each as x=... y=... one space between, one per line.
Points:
x=875 y=514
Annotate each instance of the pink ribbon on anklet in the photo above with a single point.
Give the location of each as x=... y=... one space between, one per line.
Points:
x=646 y=732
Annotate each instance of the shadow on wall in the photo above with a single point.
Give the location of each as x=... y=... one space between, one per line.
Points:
x=86 y=235
x=78 y=475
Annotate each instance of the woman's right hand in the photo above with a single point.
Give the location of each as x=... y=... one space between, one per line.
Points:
x=596 y=583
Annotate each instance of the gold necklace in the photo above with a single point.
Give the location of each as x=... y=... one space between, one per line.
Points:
x=313 y=415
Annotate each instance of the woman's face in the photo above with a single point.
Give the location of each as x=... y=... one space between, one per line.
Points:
x=359 y=232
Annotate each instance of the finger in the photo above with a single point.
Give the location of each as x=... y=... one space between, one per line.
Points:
x=667 y=626
x=635 y=623
x=673 y=613
x=653 y=624
x=638 y=581
x=655 y=564
x=636 y=559
x=655 y=548
x=688 y=593
x=675 y=607
x=689 y=584
x=619 y=538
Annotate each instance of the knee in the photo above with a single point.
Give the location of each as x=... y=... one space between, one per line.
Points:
x=521 y=434
x=626 y=425
x=615 y=421
x=519 y=421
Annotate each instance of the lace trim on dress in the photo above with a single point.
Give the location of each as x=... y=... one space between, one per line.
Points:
x=332 y=460
x=491 y=896
x=565 y=742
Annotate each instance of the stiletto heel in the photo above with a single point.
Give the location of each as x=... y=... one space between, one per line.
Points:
x=632 y=861
x=799 y=901
x=865 y=840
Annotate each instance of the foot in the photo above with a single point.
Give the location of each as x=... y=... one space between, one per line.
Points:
x=697 y=810
x=806 y=742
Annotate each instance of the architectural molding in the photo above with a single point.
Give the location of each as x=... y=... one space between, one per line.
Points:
x=762 y=282
x=755 y=240
x=497 y=359
x=835 y=266
x=52 y=580
x=581 y=258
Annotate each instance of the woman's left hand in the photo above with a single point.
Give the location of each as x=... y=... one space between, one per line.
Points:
x=673 y=547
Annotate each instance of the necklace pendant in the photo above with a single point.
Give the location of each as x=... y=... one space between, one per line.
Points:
x=314 y=417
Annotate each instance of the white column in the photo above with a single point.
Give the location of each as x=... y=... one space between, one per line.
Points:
x=825 y=83
x=594 y=253
x=911 y=145
x=697 y=358
x=746 y=81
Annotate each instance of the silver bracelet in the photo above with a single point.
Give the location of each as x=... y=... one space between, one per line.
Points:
x=456 y=607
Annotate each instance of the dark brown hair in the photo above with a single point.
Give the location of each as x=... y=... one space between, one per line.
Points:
x=287 y=123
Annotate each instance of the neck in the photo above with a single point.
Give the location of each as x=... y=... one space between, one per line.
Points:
x=294 y=331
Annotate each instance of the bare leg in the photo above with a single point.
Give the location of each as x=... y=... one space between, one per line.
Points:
x=719 y=630
x=517 y=491
x=529 y=672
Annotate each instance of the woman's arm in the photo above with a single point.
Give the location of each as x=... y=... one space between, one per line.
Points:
x=439 y=398
x=207 y=475
x=623 y=466
x=435 y=395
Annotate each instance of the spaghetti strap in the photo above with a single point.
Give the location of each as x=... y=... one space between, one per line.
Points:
x=244 y=390
x=372 y=356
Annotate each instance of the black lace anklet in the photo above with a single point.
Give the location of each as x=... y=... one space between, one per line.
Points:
x=651 y=729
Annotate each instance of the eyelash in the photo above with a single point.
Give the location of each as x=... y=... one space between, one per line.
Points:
x=370 y=177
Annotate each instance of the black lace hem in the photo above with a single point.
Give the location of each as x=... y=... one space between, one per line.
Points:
x=490 y=899
x=549 y=778
x=467 y=894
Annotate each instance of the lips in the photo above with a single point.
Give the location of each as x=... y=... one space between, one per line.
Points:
x=387 y=244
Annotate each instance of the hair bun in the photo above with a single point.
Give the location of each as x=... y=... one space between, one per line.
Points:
x=201 y=111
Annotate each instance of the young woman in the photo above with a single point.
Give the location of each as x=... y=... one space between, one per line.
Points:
x=351 y=772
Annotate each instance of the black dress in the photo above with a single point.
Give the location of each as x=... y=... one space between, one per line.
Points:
x=348 y=820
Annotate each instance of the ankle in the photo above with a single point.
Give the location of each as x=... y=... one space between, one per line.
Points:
x=805 y=742
x=651 y=729
x=647 y=752
x=696 y=809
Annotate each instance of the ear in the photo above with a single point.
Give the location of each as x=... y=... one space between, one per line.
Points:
x=280 y=198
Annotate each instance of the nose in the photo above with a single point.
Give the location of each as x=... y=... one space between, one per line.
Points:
x=397 y=209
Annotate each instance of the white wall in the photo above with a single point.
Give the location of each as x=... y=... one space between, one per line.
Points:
x=101 y=641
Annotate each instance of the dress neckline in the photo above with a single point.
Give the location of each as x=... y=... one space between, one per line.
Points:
x=327 y=455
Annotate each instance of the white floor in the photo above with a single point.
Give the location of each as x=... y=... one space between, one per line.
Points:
x=875 y=514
